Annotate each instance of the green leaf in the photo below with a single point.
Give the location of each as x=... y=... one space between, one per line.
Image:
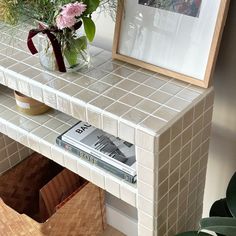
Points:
x=193 y=233
x=92 y=5
x=220 y=225
x=71 y=55
x=225 y=230
x=75 y=47
x=231 y=195
x=80 y=43
x=89 y=28
x=217 y=221
x=220 y=208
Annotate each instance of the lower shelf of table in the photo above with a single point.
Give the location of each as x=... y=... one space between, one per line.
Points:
x=39 y=134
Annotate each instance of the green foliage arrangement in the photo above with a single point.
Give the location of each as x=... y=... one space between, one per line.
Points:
x=223 y=216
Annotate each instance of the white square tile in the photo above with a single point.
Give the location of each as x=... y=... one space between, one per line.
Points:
x=145 y=140
x=171 y=88
x=94 y=117
x=58 y=155
x=45 y=149
x=146 y=175
x=23 y=87
x=11 y=81
x=143 y=231
x=70 y=162
x=110 y=124
x=36 y=92
x=146 y=190
x=147 y=206
x=49 y=98
x=178 y=104
x=33 y=142
x=11 y=131
x=83 y=170
x=126 y=132
x=78 y=109
x=147 y=221
x=22 y=137
x=97 y=177
x=112 y=185
x=127 y=194
x=145 y=158
x=153 y=124
x=63 y=103
x=155 y=82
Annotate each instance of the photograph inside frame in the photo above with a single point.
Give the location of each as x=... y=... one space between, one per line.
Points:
x=186 y=7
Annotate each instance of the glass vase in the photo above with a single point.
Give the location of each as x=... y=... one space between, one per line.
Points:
x=77 y=57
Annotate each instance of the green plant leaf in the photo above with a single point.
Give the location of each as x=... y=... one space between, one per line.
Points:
x=92 y=5
x=71 y=55
x=217 y=221
x=193 y=233
x=220 y=208
x=80 y=43
x=89 y=28
x=220 y=225
x=231 y=195
x=75 y=47
x=224 y=230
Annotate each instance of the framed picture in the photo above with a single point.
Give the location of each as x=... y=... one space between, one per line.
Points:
x=177 y=38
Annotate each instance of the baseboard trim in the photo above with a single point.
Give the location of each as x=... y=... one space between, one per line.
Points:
x=121 y=221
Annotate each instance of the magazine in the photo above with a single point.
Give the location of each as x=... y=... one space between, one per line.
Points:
x=96 y=161
x=102 y=145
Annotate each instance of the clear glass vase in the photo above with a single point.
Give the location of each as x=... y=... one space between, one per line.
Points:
x=77 y=57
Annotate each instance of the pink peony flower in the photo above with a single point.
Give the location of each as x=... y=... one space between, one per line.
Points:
x=73 y=9
x=65 y=22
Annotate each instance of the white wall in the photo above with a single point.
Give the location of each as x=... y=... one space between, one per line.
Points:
x=222 y=157
x=104 y=31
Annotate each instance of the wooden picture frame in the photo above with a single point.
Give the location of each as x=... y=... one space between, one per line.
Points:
x=133 y=17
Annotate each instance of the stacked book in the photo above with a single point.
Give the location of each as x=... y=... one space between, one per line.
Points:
x=100 y=148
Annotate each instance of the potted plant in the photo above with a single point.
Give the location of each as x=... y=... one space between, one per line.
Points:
x=222 y=220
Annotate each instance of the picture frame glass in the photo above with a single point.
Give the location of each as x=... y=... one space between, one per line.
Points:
x=174 y=38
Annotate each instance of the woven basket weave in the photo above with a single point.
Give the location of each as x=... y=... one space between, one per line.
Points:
x=81 y=214
x=19 y=186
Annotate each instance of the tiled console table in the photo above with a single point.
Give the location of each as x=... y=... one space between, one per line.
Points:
x=168 y=121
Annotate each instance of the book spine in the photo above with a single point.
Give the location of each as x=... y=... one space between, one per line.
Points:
x=90 y=158
x=102 y=157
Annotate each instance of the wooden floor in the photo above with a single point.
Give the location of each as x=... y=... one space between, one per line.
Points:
x=111 y=232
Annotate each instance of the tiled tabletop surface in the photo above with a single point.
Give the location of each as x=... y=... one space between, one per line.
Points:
x=111 y=95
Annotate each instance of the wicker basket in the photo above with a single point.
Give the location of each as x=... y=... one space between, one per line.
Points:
x=82 y=213
x=28 y=105
x=19 y=186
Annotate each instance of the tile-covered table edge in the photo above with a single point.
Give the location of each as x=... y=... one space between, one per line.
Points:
x=171 y=181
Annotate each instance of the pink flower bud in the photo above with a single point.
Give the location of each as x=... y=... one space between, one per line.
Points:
x=73 y=9
x=65 y=22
